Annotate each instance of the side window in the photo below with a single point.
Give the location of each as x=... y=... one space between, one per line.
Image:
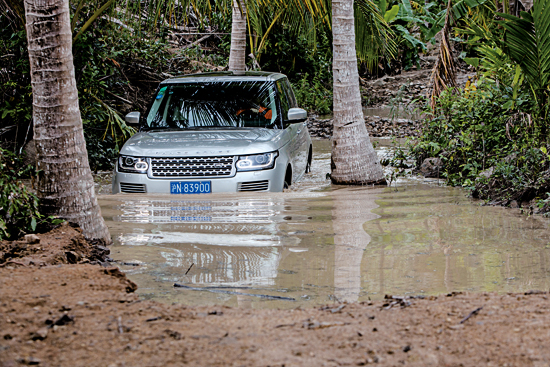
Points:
x=290 y=93
x=285 y=103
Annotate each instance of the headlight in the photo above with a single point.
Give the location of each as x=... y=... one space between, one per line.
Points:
x=132 y=164
x=256 y=162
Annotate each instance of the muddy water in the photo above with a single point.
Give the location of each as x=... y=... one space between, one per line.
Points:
x=317 y=244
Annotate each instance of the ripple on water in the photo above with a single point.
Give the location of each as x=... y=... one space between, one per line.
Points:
x=317 y=243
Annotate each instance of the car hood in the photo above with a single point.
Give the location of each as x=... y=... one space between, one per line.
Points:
x=207 y=142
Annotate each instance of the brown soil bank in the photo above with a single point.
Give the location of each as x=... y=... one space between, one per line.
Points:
x=87 y=315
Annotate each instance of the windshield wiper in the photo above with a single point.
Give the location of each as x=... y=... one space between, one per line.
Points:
x=189 y=128
x=161 y=129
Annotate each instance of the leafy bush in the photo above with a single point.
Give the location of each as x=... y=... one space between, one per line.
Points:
x=487 y=143
x=471 y=131
x=19 y=209
x=521 y=177
x=309 y=67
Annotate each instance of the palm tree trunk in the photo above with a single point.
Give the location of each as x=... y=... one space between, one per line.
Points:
x=354 y=160
x=65 y=184
x=237 y=53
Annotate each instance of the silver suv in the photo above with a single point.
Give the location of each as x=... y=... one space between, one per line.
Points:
x=216 y=132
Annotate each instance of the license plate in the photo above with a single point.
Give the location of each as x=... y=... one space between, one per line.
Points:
x=190 y=187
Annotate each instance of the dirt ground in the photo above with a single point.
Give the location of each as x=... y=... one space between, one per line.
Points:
x=60 y=310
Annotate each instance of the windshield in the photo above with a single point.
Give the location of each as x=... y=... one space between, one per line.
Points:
x=214 y=104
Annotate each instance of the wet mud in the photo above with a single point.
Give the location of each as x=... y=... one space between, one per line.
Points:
x=62 y=245
x=88 y=315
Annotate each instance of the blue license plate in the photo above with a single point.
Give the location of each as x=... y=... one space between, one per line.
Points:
x=190 y=187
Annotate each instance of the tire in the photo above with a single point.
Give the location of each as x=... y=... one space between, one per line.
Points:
x=288 y=178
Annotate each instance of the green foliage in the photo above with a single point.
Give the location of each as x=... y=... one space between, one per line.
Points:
x=374 y=37
x=516 y=52
x=19 y=210
x=408 y=21
x=523 y=176
x=488 y=143
x=398 y=162
x=493 y=137
x=313 y=95
x=471 y=131
x=527 y=42
x=293 y=56
x=460 y=10
x=309 y=69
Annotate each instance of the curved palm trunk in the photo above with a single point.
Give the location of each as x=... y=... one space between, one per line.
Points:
x=65 y=185
x=237 y=53
x=354 y=160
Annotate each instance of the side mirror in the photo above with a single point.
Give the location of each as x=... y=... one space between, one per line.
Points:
x=297 y=115
x=132 y=118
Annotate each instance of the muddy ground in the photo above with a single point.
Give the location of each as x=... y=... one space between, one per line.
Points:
x=57 y=309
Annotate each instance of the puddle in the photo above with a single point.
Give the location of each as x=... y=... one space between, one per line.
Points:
x=317 y=244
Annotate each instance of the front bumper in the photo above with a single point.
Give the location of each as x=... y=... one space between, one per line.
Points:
x=264 y=180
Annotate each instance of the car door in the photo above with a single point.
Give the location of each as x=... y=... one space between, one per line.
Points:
x=301 y=132
x=291 y=128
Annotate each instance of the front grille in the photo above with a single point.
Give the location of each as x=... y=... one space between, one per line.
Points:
x=192 y=167
x=130 y=187
x=253 y=186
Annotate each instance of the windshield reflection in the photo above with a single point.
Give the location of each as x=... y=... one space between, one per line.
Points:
x=215 y=104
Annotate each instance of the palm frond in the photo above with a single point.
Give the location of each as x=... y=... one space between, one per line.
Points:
x=93 y=18
x=374 y=37
x=303 y=18
x=459 y=11
x=444 y=72
x=527 y=42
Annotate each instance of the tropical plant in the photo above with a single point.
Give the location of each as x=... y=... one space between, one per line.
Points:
x=19 y=207
x=527 y=42
x=460 y=10
x=313 y=94
x=373 y=35
x=444 y=71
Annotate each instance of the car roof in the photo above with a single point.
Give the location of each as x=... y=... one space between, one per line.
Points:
x=225 y=76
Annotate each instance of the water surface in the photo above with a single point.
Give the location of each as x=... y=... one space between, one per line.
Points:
x=318 y=243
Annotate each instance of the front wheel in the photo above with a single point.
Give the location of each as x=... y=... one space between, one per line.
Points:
x=288 y=178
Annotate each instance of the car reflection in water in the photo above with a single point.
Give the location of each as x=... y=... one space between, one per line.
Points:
x=229 y=243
